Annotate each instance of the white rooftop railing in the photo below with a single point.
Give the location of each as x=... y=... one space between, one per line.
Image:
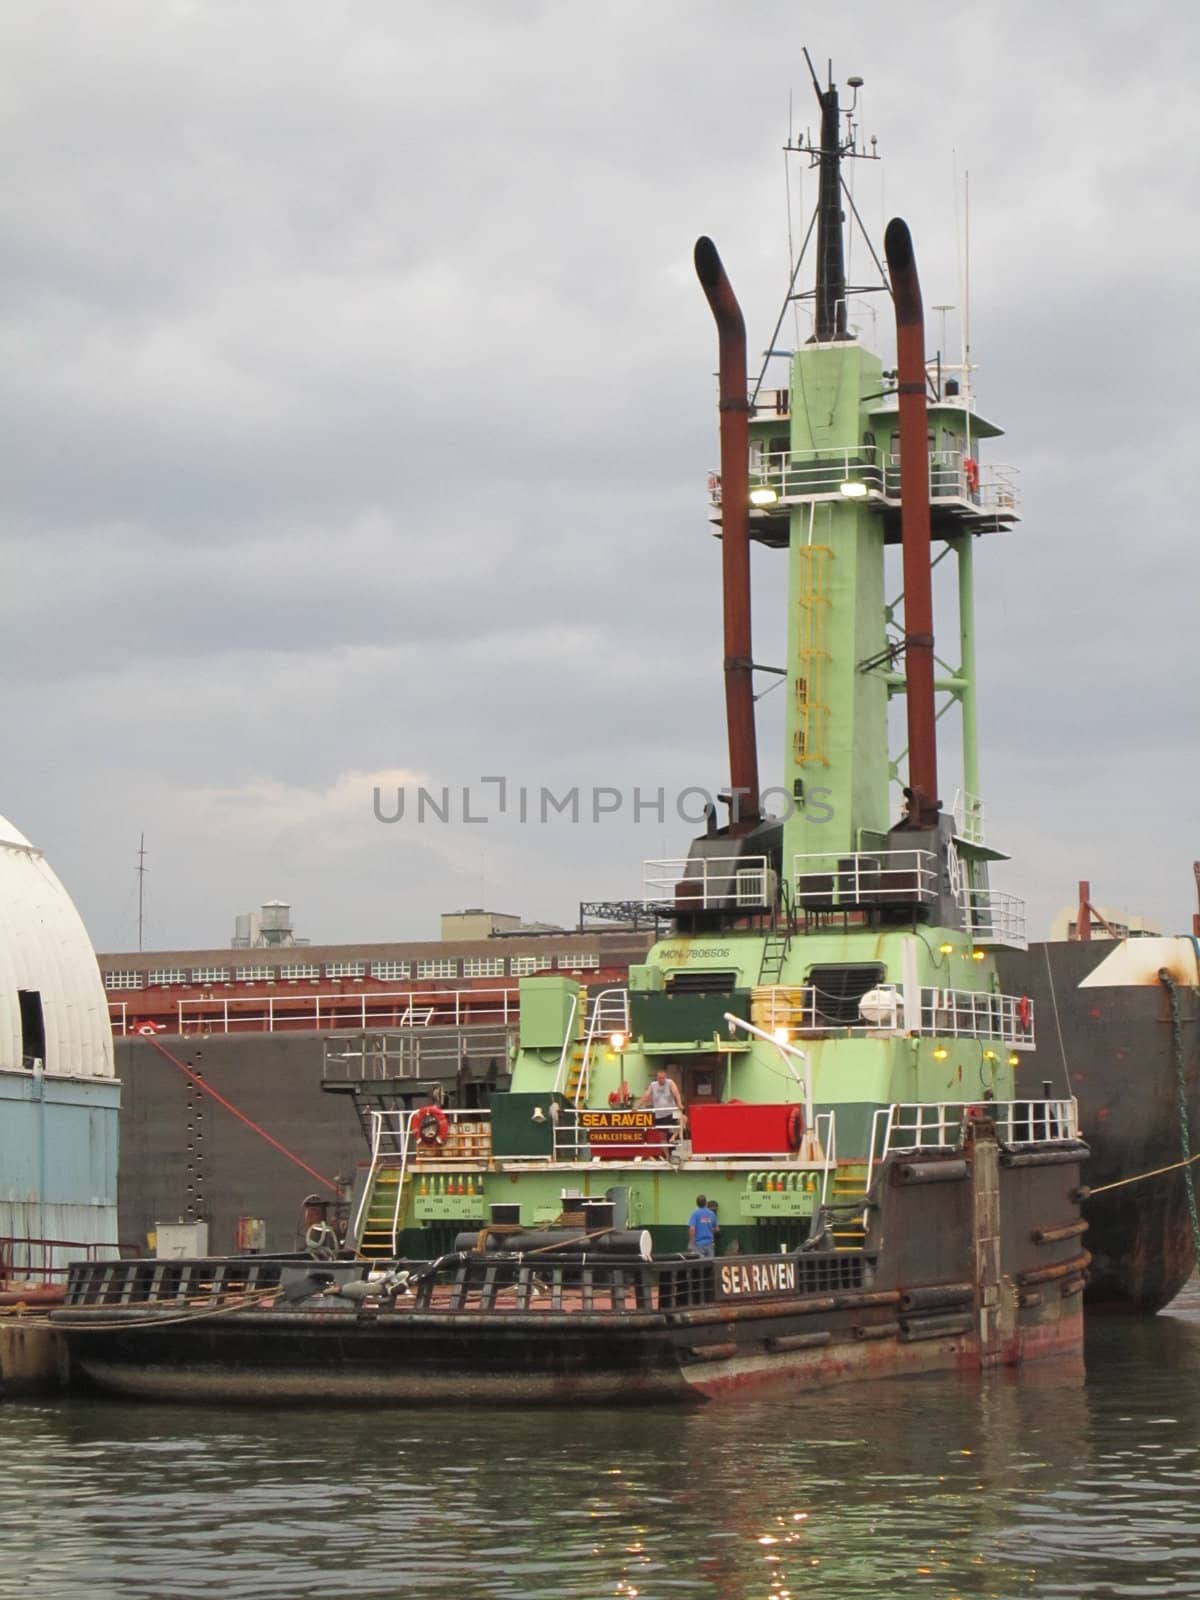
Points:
x=1006 y=1019
x=920 y=1125
x=954 y=475
x=702 y=883
x=829 y=882
x=969 y=817
x=956 y=479
x=305 y=1009
x=995 y=917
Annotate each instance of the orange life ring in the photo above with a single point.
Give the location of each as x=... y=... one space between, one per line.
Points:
x=431 y=1125
x=971 y=474
x=795 y=1127
x=1025 y=1013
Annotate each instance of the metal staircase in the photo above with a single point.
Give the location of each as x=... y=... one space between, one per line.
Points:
x=576 y=1086
x=378 y=1238
x=775 y=949
x=848 y=1203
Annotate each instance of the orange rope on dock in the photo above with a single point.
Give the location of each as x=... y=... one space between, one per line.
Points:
x=240 y=1115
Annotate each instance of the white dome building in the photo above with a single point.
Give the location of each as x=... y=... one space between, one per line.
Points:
x=59 y=1097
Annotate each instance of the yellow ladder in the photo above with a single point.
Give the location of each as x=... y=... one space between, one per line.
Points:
x=849 y=1186
x=576 y=1090
x=812 y=652
x=376 y=1240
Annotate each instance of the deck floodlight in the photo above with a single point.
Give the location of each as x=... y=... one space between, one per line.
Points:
x=763 y=495
x=978 y=955
x=946 y=949
x=1013 y=1060
x=617 y=1040
x=854 y=489
x=780 y=1036
x=940 y=1053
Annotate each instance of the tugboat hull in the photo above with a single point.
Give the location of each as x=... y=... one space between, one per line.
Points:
x=972 y=1258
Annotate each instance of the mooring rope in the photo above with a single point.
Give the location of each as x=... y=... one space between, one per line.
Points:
x=1172 y=988
x=1140 y=1177
x=98 y=1324
x=1062 y=1049
x=1189 y=1160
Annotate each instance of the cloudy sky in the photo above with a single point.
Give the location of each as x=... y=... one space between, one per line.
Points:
x=357 y=409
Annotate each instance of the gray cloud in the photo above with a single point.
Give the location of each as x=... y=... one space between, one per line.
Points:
x=359 y=402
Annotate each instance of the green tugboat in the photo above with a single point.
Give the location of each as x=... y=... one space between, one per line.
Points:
x=819 y=1046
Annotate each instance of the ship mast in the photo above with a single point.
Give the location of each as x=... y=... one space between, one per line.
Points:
x=830 y=298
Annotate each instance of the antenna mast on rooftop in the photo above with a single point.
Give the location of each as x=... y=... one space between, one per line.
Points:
x=141 y=877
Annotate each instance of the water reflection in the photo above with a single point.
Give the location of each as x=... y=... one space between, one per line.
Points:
x=1051 y=1485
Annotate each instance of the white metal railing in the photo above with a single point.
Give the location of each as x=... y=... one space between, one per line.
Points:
x=881 y=1133
x=816 y=474
x=797 y=1007
x=388 y=1054
x=569 y=1041
x=607 y=1013
x=954 y=475
x=829 y=1145
x=920 y=1125
x=955 y=478
x=701 y=883
x=367 y=1008
x=829 y=882
x=968 y=814
x=1007 y=1019
x=395 y=1132
x=993 y=916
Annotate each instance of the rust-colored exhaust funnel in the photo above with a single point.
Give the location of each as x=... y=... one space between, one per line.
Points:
x=924 y=805
x=735 y=538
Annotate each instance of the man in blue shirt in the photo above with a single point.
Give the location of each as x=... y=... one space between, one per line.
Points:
x=702 y=1228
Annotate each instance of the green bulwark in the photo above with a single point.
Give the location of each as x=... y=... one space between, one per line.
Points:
x=548 y=1012
x=670 y=1018
x=516 y=1132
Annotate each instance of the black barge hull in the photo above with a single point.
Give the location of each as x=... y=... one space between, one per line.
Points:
x=1105 y=1030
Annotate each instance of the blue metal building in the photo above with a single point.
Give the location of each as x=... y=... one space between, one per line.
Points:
x=59 y=1096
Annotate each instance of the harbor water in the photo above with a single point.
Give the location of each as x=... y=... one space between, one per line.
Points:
x=1077 y=1481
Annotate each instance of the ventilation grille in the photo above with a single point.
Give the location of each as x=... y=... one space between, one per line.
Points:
x=837 y=991
x=701 y=982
